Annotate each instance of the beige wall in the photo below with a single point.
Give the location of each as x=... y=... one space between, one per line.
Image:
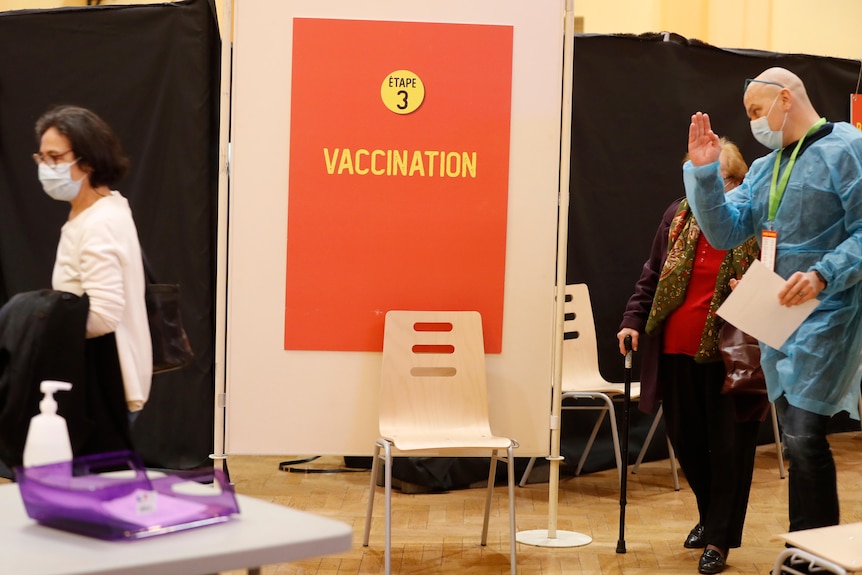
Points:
x=27 y=4
x=821 y=27
x=833 y=29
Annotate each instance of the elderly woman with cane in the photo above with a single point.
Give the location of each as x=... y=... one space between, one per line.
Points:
x=681 y=286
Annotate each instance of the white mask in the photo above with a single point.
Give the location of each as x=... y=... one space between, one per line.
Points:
x=772 y=139
x=57 y=181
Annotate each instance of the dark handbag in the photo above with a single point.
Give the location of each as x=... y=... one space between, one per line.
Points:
x=741 y=355
x=171 y=347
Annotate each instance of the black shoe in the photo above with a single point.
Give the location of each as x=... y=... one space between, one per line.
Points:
x=695 y=538
x=711 y=562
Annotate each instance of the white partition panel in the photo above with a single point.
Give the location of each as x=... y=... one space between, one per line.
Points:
x=303 y=402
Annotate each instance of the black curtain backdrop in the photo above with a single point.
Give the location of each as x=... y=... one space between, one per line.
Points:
x=152 y=72
x=632 y=105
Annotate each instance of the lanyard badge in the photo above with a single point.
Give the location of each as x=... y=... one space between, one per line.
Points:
x=768 y=244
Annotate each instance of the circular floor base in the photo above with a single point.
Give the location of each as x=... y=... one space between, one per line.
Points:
x=539 y=538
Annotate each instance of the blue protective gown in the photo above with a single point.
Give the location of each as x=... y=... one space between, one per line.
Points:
x=819 y=225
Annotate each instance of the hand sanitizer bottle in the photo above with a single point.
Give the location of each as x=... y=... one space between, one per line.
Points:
x=48 y=436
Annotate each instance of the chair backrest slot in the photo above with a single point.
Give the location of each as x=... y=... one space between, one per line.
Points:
x=433 y=371
x=433 y=348
x=432 y=326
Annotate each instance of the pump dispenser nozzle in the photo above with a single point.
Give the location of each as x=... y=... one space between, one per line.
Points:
x=48 y=405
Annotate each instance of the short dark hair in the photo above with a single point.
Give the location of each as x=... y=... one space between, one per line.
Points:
x=92 y=139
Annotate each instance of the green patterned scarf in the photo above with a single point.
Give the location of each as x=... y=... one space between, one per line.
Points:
x=676 y=274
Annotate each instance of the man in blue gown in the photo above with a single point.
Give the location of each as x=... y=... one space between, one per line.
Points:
x=803 y=201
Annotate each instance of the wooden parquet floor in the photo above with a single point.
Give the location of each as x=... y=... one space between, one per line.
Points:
x=440 y=533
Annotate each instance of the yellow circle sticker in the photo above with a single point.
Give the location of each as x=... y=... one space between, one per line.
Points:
x=402 y=91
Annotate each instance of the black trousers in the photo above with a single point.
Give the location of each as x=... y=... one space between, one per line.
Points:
x=812 y=479
x=715 y=450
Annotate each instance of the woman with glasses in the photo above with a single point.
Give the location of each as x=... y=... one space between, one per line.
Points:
x=79 y=161
x=714 y=435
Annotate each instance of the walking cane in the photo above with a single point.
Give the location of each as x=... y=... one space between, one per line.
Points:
x=624 y=448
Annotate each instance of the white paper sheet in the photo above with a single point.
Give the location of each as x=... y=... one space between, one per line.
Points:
x=753 y=307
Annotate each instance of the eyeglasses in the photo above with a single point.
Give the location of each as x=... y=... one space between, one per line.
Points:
x=49 y=159
x=750 y=80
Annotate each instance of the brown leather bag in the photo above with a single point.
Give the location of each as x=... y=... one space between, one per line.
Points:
x=741 y=355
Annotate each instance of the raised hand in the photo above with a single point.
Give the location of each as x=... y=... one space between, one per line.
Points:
x=703 y=144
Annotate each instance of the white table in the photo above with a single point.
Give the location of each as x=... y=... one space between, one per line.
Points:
x=262 y=534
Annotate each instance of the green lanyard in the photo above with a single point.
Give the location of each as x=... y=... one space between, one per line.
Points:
x=776 y=189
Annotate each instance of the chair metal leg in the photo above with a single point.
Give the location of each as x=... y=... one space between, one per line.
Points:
x=387 y=473
x=590 y=441
x=387 y=485
x=671 y=455
x=622 y=466
x=513 y=545
x=647 y=440
x=527 y=472
x=374 y=467
x=779 y=448
x=674 y=468
x=492 y=477
x=609 y=409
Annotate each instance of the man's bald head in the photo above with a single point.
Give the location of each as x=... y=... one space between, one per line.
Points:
x=784 y=91
x=785 y=78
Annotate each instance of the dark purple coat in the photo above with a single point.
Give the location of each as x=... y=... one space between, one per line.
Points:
x=637 y=313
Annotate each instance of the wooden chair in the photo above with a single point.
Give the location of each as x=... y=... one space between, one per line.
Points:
x=433 y=402
x=581 y=379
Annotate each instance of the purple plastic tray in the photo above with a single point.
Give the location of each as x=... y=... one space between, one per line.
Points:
x=110 y=496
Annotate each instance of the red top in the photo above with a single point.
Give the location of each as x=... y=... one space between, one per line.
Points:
x=684 y=327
